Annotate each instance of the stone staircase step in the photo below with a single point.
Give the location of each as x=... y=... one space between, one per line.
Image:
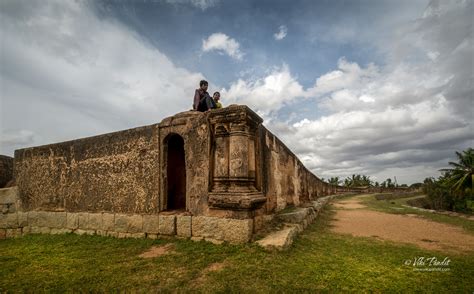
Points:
x=280 y=239
x=294 y=222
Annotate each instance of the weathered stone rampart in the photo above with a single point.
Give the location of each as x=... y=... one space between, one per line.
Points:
x=219 y=175
x=289 y=182
x=116 y=172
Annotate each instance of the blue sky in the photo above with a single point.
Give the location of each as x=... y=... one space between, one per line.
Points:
x=310 y=48
x=383 y=88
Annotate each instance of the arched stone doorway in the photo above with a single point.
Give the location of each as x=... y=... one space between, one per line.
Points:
x=176 y=173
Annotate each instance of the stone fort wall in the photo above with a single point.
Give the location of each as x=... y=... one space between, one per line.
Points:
x=289 y=182
x=237 y=176
x=116 y=172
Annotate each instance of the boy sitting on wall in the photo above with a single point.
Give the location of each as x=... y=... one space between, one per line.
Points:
x=202 y=100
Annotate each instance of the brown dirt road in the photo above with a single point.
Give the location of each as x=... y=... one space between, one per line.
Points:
x=352 y=217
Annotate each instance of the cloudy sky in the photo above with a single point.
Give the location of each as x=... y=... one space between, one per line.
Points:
x=383 y=88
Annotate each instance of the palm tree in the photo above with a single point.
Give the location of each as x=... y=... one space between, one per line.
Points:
x=347 y=182
x=358 y=181
x=461 y=176
x=366 y=181
x=334 y=181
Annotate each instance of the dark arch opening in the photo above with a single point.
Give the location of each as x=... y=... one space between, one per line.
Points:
x=176 y=173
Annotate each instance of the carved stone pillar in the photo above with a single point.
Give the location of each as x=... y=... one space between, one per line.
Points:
x=242 y=158
x=234 y=159
x=220 y=181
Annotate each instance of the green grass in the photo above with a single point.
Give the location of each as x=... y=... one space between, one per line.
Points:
x=396 y=206
x=319 y=260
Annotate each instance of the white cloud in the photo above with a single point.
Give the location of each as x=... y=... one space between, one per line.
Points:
x=223 y=44
x=202 y=4
x=68 y=74
x=266 y=94
x=411 y=114
x=347 y=75
x=19 y=137
x=404 y=118
x=281 y=34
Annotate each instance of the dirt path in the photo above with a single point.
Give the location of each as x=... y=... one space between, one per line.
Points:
x=353 y=218
x=156 y=251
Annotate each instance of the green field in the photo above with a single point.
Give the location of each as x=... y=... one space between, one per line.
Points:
x=319 y=260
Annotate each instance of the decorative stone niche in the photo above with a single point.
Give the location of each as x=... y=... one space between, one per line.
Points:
x=234 y=156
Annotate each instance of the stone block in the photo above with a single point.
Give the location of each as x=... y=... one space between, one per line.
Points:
x=214 y=241
x=11 y=208
x=237 y=230
x=34 y=230
x=151 y=224
x=305 y=223
x=152 y=236
x=108 y=221
x=135 y=224
x=82 y=220
x=26 y=230
x=56 y=220
x=94 y=221
x=167 y=225
x=50 y=219
x=279 y=239
x=4 y=208
x=33 y=218
x=197 y=239
x=39 y=230
x=72 y=220
x=137 y=235
x=121 y=223
x=128 y=223
x=263 y=220
x=183 y=226
x=206 y=227
x=22 y=219
x=225 y=229
x=8 y=221
x=319 y=204
x=12 y=233
x=294 y=217
x=299 y=228
x=9 y=195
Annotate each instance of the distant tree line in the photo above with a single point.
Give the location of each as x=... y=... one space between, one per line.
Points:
x=365 y=181
x=453 y=190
